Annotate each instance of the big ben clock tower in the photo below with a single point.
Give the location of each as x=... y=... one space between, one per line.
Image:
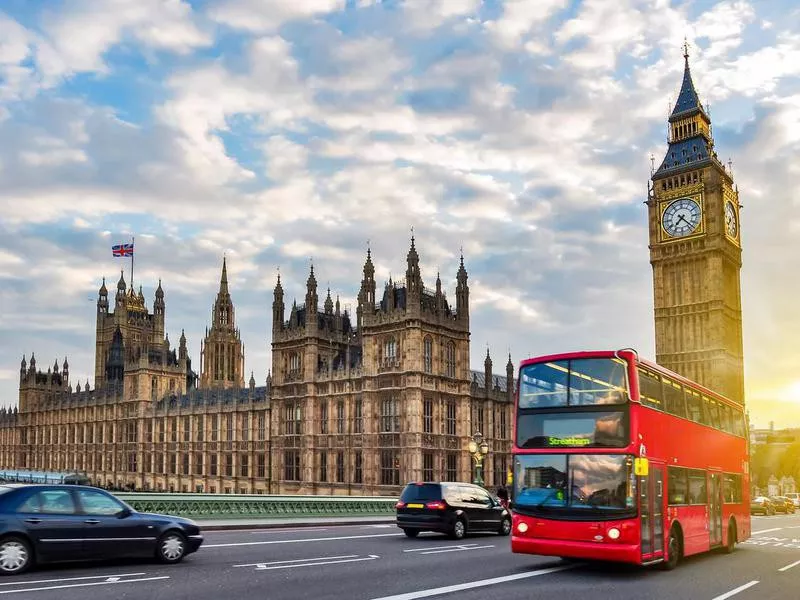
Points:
x=696 y=254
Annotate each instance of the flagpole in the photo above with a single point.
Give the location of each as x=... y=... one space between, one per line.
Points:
x=133 y=249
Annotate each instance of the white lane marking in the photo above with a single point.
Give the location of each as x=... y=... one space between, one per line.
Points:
x=741 y=588
x=787 y=567
x=473 y=584
x=424 y=548
x=297 y=560
x=324 y=539
x=456 y=549
x=383 y=526
x=75 y=585
x=314 y=564
x=276 y=530
x=766 y=530
x=112 y=580
x=71 y=579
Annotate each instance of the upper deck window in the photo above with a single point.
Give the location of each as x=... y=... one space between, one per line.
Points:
x=580 y=382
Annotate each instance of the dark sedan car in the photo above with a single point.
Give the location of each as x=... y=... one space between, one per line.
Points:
x=452 y=508
x=50 y=523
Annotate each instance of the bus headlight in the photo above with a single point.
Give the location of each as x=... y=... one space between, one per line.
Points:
x=613 y=533
x=522 y=527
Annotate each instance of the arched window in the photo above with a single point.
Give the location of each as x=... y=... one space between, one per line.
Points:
x=153 y=388
x=294 y=363
x=427 y=354
x=450 y=359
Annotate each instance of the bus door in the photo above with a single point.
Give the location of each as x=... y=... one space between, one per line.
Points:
x=651 y=511
x=715 y=507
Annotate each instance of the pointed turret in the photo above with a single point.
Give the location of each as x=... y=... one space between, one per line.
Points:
x=312 y=302
x=23 y=369
x=158 y=304
x=487 y=371
x=509 y=379
x=329 y=303
x=688 y=101
x=32 y=367
x=462 y=293
x=102 y=298
x=121 y=287
x=691 y=144
x=252 y=381
x=222 y=352
x=278 y=307
x=223 y=280
x=115 y=364
x=366 y=295
x=413 y=275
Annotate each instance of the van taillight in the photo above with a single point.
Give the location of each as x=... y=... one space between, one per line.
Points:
x=436 y=505
x=400 y=504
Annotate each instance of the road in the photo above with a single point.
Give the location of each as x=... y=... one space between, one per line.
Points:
x=370 y=562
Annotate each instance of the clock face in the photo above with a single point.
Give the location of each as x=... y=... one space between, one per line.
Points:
x=731 y=225
x=682 y=217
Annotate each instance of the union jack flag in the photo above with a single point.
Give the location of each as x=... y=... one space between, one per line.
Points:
x=122 y=250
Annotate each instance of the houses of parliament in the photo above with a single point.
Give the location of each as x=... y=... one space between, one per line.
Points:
x=354 y=404
x=361 y=404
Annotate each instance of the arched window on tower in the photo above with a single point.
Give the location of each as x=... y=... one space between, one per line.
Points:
x=427 y=354
x=153 y=388
x=294 y=363
x=450 y=359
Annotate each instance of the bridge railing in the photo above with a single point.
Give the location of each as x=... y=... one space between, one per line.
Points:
x=231 y=506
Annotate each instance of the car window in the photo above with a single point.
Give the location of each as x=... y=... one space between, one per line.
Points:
x=53 y=502
x=483 y=497
x=97 y=503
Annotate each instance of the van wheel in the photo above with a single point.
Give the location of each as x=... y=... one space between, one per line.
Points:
x=505 y=527
x=459 y=530
x=730 y=546
x=412 y=533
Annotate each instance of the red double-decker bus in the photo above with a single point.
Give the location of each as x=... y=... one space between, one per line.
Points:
x=617 y=458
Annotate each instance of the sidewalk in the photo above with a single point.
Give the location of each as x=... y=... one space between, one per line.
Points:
x=279 y=523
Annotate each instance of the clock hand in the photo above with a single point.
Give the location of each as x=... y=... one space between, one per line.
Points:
x=682 y=218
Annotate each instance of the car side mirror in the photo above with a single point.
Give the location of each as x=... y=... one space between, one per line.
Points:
x=124 y=513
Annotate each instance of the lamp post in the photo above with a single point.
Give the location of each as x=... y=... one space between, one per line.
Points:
x=479 y=449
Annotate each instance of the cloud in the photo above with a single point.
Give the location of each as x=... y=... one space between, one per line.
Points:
x=280 y=132
x=265 y=16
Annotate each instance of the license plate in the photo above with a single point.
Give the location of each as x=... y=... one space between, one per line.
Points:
x=416 y=506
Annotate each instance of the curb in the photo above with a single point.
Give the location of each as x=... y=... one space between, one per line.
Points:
x=245 y=526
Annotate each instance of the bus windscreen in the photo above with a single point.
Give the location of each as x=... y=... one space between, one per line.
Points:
x=578 y=382
x=577 y=485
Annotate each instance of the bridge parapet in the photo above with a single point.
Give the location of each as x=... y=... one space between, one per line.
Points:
x=231 y=506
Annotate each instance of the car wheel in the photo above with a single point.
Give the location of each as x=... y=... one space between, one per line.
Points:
x=459 y=529
x=505 y=527
x=171 y=547
x=16 y=556
x=673 y=550
x=412 y=533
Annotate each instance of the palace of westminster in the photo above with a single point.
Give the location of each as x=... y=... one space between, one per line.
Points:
x=364 y=407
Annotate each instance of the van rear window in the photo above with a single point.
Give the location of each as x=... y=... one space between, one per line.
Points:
x=425 y=491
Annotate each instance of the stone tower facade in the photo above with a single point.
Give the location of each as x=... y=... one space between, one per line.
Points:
x=696 y=253
x=388 y=399
x=222 y=352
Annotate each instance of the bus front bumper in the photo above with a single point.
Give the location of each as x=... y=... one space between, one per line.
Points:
x=628 y=553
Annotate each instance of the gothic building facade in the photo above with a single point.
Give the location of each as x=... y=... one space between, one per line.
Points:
x=349 y=407
x=696 y=253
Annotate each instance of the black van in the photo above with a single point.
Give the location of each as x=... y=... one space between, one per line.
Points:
x=452 y=508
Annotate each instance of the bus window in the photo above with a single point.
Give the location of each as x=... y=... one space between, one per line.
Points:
x=712 y=412
x=695 y=405
x=544 y=385
x=650 y=390
x=697 y=487
x=677 y=487
x=732 y=488
x=725 y=418
x=673 y=398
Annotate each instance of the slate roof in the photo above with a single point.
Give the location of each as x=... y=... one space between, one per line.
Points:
x=479 y=378
x=688 y=100
x=691 y=151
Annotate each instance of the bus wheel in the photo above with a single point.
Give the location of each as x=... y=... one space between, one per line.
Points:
x=730 y=546
x=673 y=550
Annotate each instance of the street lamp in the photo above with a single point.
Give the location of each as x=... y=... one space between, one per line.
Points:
x=479 y=449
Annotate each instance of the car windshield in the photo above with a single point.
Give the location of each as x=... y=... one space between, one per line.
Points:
x=575 y=485
x=580 y=382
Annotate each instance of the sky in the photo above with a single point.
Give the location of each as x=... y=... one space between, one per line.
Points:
x=280 y=132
